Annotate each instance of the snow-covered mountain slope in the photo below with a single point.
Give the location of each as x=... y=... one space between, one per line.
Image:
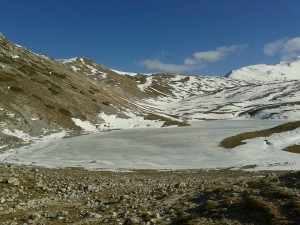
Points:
x=41 y=95
x=287 y=70
x=199 y=97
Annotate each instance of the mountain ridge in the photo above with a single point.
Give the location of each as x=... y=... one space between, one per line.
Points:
x=285 y=70
x=41 y=95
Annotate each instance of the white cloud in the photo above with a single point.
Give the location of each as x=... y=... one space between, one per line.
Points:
x=212 y=56
x=271 y=48
x=164 y=67
x=198 y=61
x=292 y=45
x=285 y=47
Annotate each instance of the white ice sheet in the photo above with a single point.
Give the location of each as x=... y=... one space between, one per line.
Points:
x=162 y=148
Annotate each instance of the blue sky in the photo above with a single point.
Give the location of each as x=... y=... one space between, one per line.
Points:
x=201 y=37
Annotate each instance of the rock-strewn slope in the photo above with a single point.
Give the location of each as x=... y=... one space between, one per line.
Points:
x=76 y=196
x=37 y=91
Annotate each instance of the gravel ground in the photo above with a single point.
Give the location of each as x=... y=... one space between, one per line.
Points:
x=32 y=195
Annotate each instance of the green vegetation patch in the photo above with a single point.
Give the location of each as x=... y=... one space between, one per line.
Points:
x=65 y=112
x=234 y=141
x=107 y=103
x=167 y=121
x=37 y=97
x=6 y=77
x=54 y=92
x=49 y=106
x=293 y=149
x=59 y=75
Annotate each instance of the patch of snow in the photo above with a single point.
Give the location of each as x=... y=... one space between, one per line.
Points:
x=270 y=156
x=93 y=70
x=104 y=75
x=114 y=122
x=147 y=84
x=34 y=141
x=85 y=125
x=124 y=73
x=75 y=69
x=3 y=146
x=19 y=134
x=15 y=56
x=10 y=115
x=34 y=119
x=68 y=60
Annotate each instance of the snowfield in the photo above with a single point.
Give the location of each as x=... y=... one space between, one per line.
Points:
x=286 y=70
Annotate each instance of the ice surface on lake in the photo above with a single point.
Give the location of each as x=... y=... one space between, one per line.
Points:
x=162 y=148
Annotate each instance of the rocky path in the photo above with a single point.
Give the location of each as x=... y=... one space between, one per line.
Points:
x=31 y=195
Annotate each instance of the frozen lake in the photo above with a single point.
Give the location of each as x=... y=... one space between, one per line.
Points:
x=160 y=148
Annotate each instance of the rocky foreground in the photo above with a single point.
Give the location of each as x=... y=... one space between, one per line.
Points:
x=32 y=195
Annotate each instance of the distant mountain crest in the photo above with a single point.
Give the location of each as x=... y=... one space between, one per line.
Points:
x=286 y=70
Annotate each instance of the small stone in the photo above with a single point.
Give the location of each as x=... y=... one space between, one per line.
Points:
x=13 y=181
x=153 y=221
x=132 y=220
x=35 y=216
x=2 y=200
x=63 y=213
x=3 y=180
x=179 y=185
x=97 y=216
x=124 y=197
x=39 y=184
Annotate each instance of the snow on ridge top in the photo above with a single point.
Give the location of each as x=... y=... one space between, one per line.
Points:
x=124 y=73
x=68 y=60
x=286 y=70
x=296 y=58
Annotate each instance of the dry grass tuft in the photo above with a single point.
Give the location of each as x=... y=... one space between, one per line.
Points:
x=293 y=149
x=167 y=121
x=234 y=141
